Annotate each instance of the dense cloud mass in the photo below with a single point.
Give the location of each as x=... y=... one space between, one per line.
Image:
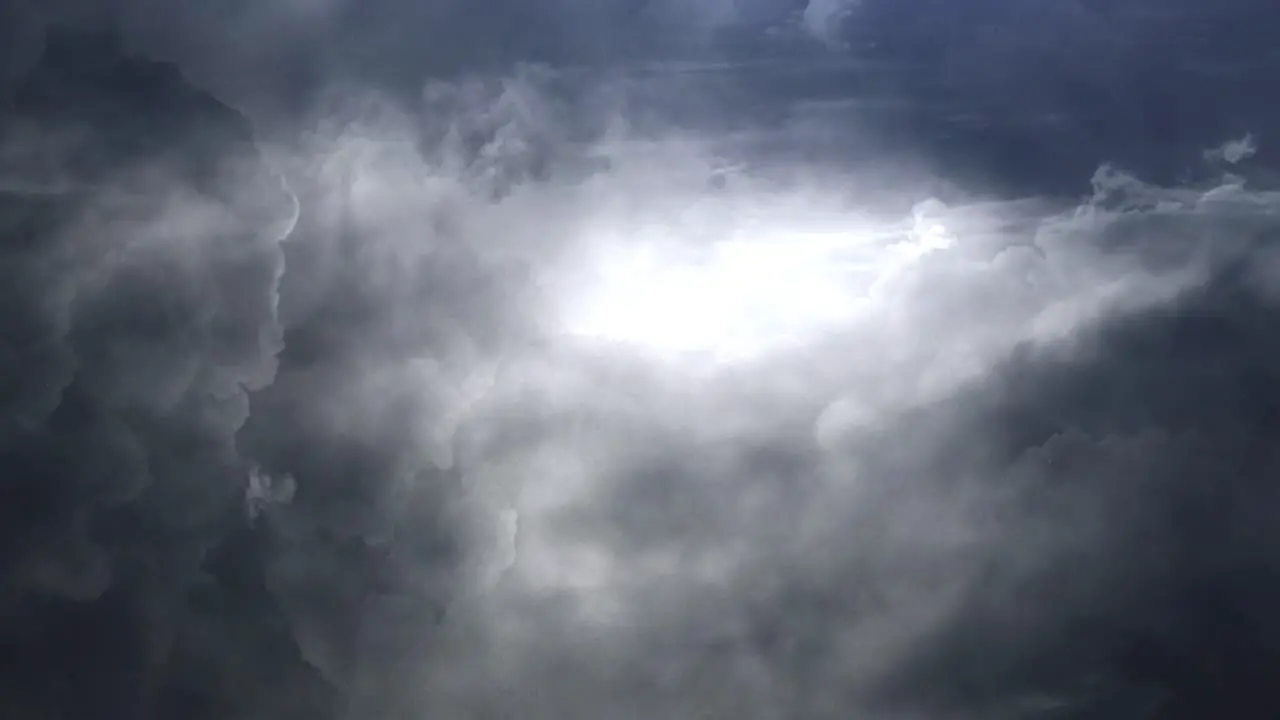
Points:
x=642 y=360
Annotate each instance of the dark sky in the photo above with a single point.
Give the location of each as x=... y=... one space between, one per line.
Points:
x=638 y=359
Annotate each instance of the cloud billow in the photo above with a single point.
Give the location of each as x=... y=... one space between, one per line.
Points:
x=374 y=422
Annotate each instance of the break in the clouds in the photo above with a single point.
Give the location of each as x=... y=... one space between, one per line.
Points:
x=655 y=390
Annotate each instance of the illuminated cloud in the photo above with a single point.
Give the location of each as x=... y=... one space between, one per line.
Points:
x=584 y=392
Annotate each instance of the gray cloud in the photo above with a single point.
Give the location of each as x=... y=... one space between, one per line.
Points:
x=694 y=537
x=142 y=310
x=361 y=424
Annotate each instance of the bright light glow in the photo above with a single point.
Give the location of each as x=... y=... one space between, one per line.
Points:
x=754 y=290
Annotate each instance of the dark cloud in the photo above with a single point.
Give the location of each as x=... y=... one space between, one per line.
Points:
x=277 y=60
x=142 y=290
x=437 y=389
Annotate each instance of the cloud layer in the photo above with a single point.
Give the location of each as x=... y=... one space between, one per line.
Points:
x=314 y=427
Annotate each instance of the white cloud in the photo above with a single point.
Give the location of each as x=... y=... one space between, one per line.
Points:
x=647 y=489
x=823 y=18
x=1234 y=151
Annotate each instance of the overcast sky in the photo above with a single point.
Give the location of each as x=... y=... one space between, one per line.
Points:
x=635 y=359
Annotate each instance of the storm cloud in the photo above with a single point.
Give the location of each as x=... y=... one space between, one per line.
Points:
x=646 y=360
